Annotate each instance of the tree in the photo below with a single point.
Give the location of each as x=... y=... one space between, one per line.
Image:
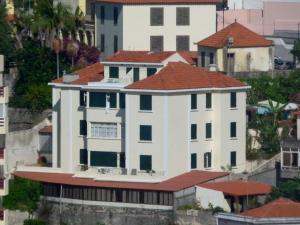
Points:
x=289 y=189
x=296 y=50
x=24 y=195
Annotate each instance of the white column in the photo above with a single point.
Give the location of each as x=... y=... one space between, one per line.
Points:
x=165 y=134
x=54 y=128
x=127 y=136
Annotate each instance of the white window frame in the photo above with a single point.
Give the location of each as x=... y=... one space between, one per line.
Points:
x=103 y=130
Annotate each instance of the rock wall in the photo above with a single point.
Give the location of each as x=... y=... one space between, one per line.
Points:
x=194 y=217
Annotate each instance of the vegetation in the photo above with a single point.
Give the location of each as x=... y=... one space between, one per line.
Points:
x=189 y=206
x=33 y=222
x=296 y=50
x=215 y=209
x=289 y=189
x=24 y=196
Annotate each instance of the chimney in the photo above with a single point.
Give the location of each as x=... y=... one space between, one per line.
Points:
x=69 y=78
x=212 y=67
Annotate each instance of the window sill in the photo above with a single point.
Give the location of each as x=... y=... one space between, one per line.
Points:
x=210 y=109
x=145 y=142
x=233 y=138
x=233 y=108
x=207 y=168
x=102 y=108
x=145 y=111
x=104 y=138
x=194 y=140
x=209 y=139
x=194 y=110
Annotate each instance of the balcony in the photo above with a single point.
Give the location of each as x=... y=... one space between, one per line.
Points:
x=3 y=94
x=3 y=125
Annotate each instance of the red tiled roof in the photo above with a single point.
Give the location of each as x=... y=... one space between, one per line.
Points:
x=92 y=73
x=242 y=37
x=178 y=75
x=46 y=130
x=239 y=187
x=140 y=56
x=173 y=184
x=150 y=56
x=146 y=2
x=281 y=207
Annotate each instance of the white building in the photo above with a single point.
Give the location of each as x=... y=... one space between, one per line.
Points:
x=161 y=25
x=3 y=130
x=148 y=112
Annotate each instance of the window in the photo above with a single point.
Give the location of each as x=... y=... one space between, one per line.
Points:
x=116 y=15
x=97 y=99
x=128 y=69
x=202 y=59
x=156 y=16
x=105 y=159
x=104 y=130
x=115 y=43
x=111 y=100
x=102 y=14
x=156 y=43
x=208 y=130
x=102 y=43
x=233 y=159
x=113 y=72
x=193 y=160
x=146 y=162
x=207 y=160
x=208 y=101
x=83 y=156
x=122 y=100
x=233 y=100
x=211 y=58
x=82 y=98
x=151 y=71
x=146 y=102
x=233 y=129
x=193 y=101
x=182 y=16
x=136 y=74
x=182 y=43
x=145 y=133
x=83 y=127
x=193 y=131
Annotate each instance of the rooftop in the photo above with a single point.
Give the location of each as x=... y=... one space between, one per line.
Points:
x=281 y=207
x=239 y=187
x=177 y=183
x=92 y=73
x=150 y=56
x=242 y=37
x=179 y=75
x=46 y=130
x=148 y=2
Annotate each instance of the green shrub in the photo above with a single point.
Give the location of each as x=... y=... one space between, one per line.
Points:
x=34 y=222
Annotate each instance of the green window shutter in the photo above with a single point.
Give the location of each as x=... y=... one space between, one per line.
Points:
x=233 y=129
x=122 y=160
x=83 y=156
x=136 y=74
x=233 y=100
x=122 y=100
x=193 y=101
x=233 y=159
x=193 y=160
x=128 y=69
x=112 y=100
x=145 y=102
x=207 y=160
x=208 y=100
x=145 y=133
x=151 y=71
x=97 y=99
x=82 y=98
x=208 y=130
x=193 y=131
x=145 y=162
x=105 y=159
x=83 y=127
x=113 y=72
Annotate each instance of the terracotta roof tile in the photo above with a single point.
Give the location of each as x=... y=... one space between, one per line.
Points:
x=173 y=184
x=92 y=73
x=190 y=56
x=147 y=2
x=239 y=187
x=46 y=130
x=242 y=37
x=281 y=207
x=178 y=75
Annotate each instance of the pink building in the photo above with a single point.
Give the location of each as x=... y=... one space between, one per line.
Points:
x=273 y=16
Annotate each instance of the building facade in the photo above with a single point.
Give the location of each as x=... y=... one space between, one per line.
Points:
x=153 y=25
x=140 y=117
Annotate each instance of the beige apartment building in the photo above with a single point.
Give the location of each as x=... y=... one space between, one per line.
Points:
x=148 y=113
